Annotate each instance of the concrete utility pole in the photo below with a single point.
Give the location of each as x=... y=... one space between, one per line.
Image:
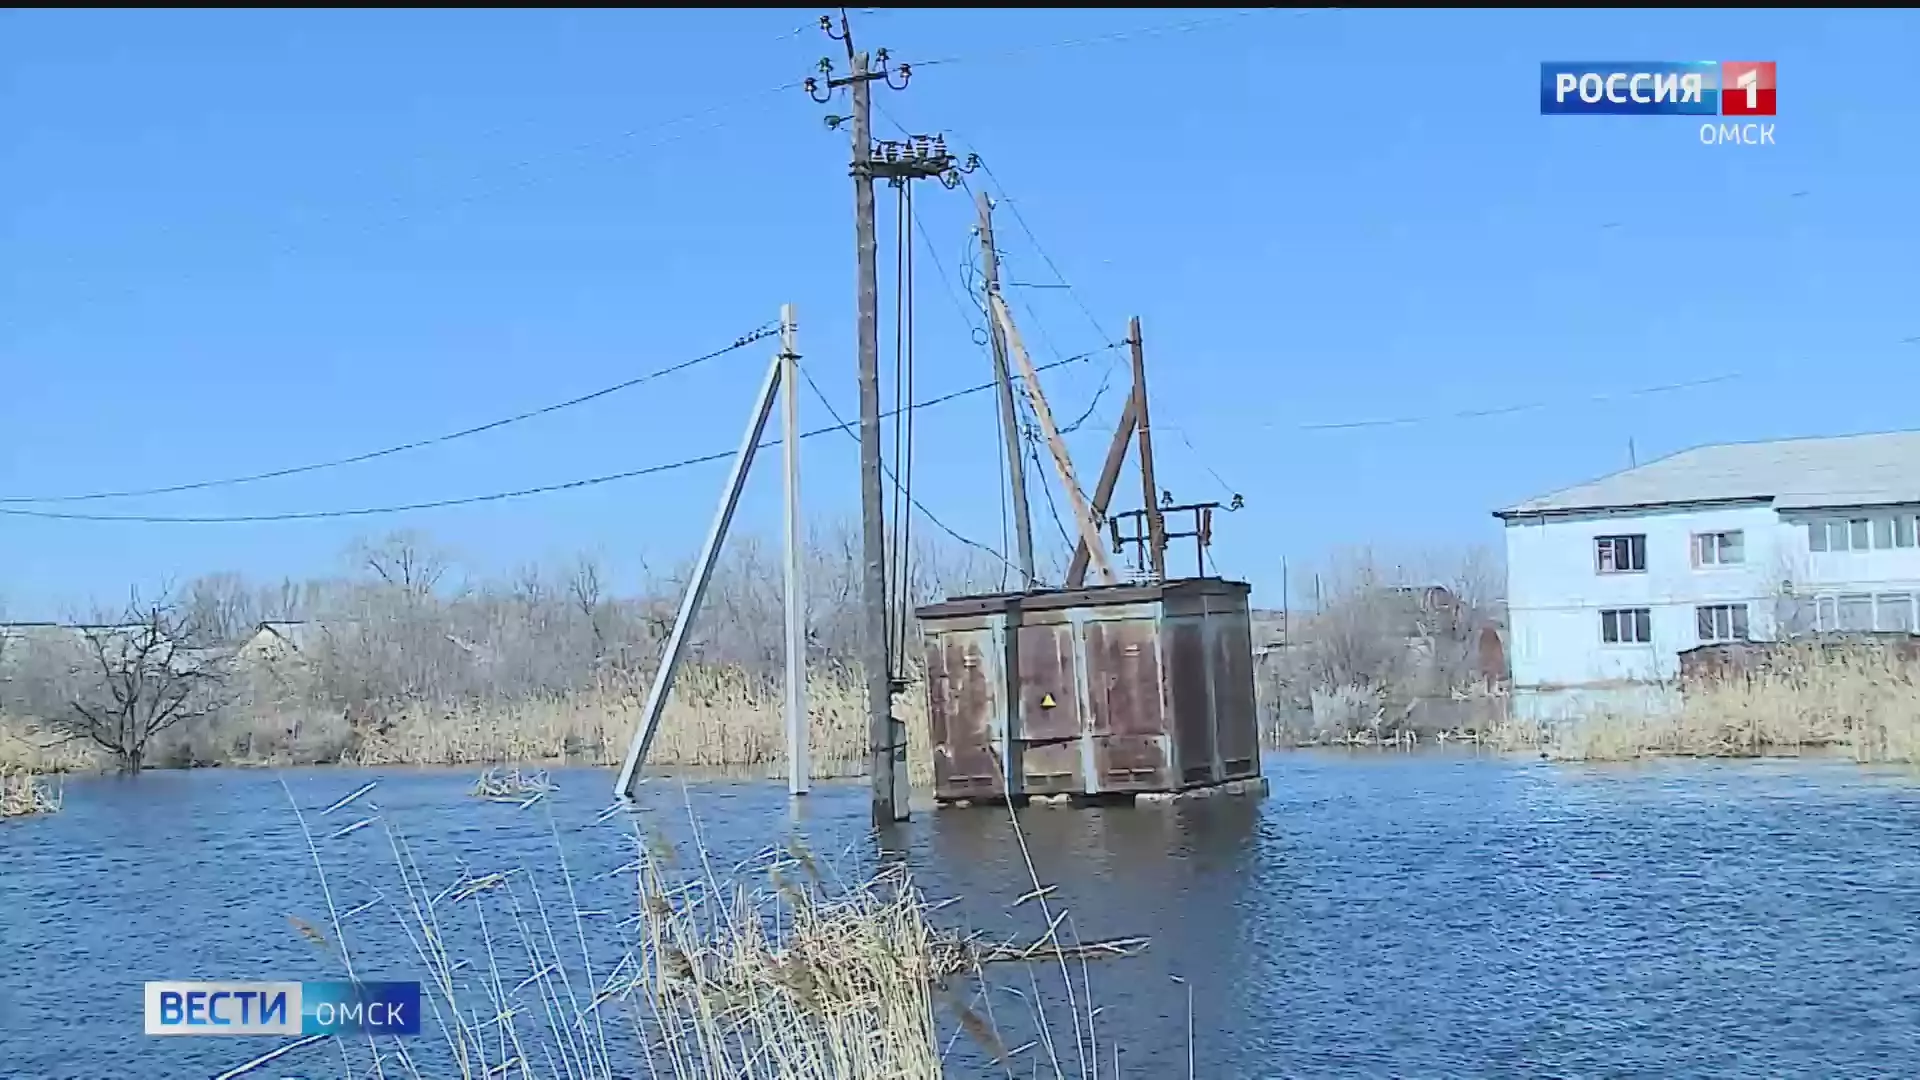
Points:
x=629 y=780
x=1009 y=421
x=799 y=768
x=919 y=157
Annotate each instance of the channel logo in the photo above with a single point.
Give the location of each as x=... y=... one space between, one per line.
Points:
x=1660 y=88
x=283 y=1008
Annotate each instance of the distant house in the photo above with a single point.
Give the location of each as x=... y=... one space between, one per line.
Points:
x=1612 y=580
x=118 y=641
x=278 y=640
x=30 y=634
x=1430 y=621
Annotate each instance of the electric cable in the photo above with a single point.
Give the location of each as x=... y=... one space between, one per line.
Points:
x=497 y=496
x=846 y=427
x=355 y=459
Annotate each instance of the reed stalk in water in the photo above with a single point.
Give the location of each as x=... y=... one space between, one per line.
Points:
x=768 y=970
x=22 y=794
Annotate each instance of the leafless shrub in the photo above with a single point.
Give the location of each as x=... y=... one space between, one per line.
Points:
x=395 y=662
x=1389 y=648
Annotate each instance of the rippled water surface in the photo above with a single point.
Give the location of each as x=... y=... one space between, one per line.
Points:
x=1390 y=916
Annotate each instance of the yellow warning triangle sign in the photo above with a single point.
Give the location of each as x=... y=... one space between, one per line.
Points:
x=1046 y=701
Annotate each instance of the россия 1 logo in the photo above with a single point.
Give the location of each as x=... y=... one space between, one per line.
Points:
x=1660 y=88
x=1667 y=88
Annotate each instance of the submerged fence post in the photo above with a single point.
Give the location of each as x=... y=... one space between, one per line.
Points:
x=703 y=573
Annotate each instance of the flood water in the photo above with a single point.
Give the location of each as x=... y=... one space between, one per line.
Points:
x=1376 y=916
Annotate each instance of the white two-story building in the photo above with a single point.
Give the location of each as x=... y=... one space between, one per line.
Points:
x=1609 y=581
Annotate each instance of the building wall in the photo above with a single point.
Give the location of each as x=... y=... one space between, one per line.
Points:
x=1556 y=596
x=1556 y=593
x=1874 y=589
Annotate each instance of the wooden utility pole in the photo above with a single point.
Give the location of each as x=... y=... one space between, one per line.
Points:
x=1103 y=490
x=1150 y=491
x=1009 y=420
x=1082 y=513
x=920 y=157
x=873 y=531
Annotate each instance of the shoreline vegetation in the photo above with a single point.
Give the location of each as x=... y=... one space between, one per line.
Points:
x=401 y=663
x=1859 y=701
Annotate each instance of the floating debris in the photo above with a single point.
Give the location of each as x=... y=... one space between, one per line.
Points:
x=512 y=786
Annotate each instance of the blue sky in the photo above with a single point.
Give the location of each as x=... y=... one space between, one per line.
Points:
x=236 y=241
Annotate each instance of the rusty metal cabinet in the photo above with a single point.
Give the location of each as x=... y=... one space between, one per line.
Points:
x=1111 y=689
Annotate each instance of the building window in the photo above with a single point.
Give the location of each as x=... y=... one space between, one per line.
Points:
x=1893 y=612
x=1882 y=533
x=1856 y=611
x=1719 y=548
x=1721 y=622
x=1620 y=554
x=1826 y=613
x=1626 y=626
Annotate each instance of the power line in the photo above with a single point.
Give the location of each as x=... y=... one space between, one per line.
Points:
x=1020 y=219
x=1184 y=26
x=1032 y=441
x=1013 y=204
x=1508 y=410
x=498 y=496
x=492 y=425
x=894 y=480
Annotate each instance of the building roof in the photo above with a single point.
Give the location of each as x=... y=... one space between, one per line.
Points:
x=1848 y=470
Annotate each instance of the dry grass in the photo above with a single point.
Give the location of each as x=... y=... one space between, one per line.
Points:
x=717 y=718
x=768 y=972
x=1865 y=702
x=26 y=747
x=22 y=794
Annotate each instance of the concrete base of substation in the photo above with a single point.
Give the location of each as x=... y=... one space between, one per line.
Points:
x=1253 y=787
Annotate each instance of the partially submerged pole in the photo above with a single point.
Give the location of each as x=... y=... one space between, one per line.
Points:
x=873 y=530
x=799 y=769
x=697 y=588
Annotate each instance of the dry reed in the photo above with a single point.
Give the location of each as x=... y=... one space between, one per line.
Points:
x=716 y=718
x=788 y=979
x=22 y=794
x=27 y=747
x=512 y=785
x=1864 y=701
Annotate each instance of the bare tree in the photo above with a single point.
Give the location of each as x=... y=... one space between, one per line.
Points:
x=587 y=592
x=224 y=605
x=156 y=670
x=406 y=562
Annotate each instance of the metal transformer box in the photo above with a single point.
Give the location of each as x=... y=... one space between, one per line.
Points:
x=1106 y=690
